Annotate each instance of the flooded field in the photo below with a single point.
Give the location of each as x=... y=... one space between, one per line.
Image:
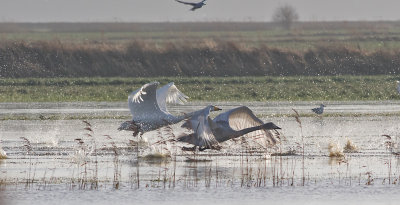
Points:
x=339 y=157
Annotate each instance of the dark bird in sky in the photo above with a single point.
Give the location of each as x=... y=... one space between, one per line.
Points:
x=195 y=5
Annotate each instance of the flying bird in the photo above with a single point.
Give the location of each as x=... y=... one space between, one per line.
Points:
x=237 y=122
x=319 y=110
x=148 y=106
x=194 y=5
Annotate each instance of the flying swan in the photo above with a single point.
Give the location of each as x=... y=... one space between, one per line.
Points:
x=232 y=124
x=148 y=106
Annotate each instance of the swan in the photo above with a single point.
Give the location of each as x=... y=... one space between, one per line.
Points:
x=148 y=106
x=319 y=110
x=195 y=5
x=232 y=124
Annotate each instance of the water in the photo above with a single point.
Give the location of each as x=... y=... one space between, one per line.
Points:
x=56 y=162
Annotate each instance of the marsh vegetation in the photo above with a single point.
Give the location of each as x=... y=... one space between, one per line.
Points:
x=137 y=50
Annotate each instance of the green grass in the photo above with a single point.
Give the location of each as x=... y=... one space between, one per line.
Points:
x=302 y=88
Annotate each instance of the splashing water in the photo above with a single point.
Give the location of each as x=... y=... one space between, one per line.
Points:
x=3 y=154
x=350 y=147
x=335 y=150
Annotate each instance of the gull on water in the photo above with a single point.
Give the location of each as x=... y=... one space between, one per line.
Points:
x=208 y=133
x=319 y=110
x=194 y=5
x=398 y=86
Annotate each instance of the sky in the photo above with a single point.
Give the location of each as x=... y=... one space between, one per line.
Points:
x=171 y=11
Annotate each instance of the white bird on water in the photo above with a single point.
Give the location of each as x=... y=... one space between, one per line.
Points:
x=319 y=110
x=148 y=106
x=194 y=5
x=229 y=125
x=398 y=86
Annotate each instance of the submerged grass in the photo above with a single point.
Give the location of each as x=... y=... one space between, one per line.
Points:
x=295 y=88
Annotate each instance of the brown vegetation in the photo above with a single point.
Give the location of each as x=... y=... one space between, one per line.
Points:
x=11 y=27
x=56 y=59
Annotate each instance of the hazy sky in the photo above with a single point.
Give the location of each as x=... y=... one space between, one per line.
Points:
x=215 y=10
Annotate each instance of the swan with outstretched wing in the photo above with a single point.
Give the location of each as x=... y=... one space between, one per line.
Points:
x=232 y=124
x=148 y=106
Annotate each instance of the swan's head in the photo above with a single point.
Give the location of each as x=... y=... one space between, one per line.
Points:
x=271 y=126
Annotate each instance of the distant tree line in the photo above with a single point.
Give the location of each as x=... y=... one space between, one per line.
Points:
x=49 y=59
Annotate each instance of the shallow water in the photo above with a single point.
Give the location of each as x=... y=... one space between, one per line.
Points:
x=57 y=164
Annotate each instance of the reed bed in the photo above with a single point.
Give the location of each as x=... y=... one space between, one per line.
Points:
x=141 y=59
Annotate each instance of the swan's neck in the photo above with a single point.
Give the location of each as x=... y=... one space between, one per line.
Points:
x=205 y=111
x=242 y=132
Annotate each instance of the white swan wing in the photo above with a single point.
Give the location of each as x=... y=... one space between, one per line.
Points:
x=242 y=118
x=204 y=133
x=192 y=122
x=200 y=124
x=169 y=93
x=143 y=102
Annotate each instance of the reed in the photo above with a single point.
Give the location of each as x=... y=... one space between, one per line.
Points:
x=302 y=145
x=117 y=170
x=30 y=177
x=221 y=58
